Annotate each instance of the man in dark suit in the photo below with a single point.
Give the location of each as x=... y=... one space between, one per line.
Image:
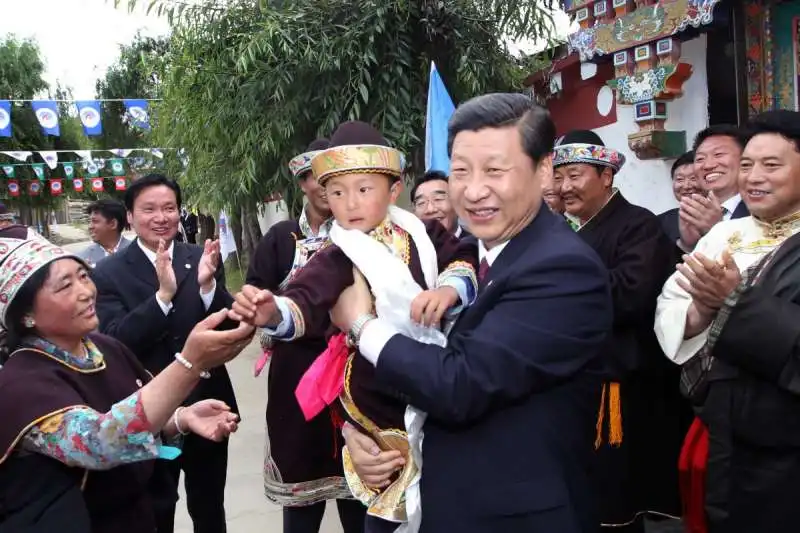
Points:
x=150 y=296
x=512 y=400
x=684 y=184
x=717 y=153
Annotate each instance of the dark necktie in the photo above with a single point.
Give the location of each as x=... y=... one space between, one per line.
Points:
x=483 y=270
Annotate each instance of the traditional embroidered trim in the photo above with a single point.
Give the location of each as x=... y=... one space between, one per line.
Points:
x=390 y=504
x=462 y=270
x=101 y=364
x=591 y=154
x=20 y=260
x=305 y=227
x=395 y=238
x=301 y=493
x=301 y=163
x=355 y=158
x=27 y=428
x=297 y=319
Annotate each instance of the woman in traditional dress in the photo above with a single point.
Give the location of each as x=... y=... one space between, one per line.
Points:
x=82 y=419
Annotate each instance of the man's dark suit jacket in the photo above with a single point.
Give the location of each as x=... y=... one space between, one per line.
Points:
x=512 y=401
x=128 y=310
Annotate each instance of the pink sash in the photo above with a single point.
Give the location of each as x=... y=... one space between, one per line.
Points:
x=324 y=380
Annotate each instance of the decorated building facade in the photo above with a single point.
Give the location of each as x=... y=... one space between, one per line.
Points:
x=647 y=76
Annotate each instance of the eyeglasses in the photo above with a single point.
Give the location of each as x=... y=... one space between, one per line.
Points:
x=436 y=201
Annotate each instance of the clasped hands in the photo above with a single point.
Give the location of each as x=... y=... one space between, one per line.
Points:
x=708 y=282
x=696 y=217
x=258 y=306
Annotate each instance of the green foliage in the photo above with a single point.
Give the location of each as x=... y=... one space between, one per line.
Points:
x=249 y=83
x=21 y=78
x=133 y=75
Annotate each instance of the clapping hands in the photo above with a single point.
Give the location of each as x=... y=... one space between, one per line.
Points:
x=708 y=282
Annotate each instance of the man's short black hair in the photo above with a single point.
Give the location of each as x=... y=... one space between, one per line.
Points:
x=721 y=130
x=498 y=110
x=110 y=210
x=781 y=122
x=685 y=159
x=431 y=175
x=145 y=182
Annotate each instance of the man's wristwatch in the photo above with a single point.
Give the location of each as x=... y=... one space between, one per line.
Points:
x=354 y=335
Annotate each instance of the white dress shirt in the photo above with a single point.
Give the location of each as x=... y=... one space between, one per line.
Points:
x=166 y=307
x=730 y=206
x=377 y=333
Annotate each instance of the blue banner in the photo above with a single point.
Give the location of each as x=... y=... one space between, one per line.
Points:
x=440 y=109
x=138 y=114
x=47 y=115
x=5 y=118
x=89 y=112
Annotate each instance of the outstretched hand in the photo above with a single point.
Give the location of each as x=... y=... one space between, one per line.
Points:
x=208 y=348
x=256 y=307
x=211 y=419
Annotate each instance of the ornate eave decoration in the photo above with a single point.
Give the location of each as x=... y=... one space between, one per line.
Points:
x=642 y=25
x=664 y=82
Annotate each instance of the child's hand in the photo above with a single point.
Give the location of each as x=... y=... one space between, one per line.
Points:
x=429 y=307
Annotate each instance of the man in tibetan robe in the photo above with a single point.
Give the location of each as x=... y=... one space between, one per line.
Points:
x=639 y=425
x=730 y=317
x=419 y=274
x=302 y=466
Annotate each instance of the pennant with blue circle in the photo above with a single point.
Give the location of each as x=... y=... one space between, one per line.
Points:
x=47 y=114
x=138 y=114
x=89 y=113
x=5 y=118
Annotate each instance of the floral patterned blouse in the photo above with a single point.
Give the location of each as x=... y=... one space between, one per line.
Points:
x=82 y=437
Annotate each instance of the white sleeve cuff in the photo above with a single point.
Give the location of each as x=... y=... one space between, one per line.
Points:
x=208 y=297
x=287 y=322
x=374 y=337
x=165 y=307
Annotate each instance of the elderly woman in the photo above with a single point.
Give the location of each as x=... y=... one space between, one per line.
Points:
x=82 y=421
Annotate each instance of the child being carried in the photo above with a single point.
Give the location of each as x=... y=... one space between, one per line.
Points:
x=408 y=265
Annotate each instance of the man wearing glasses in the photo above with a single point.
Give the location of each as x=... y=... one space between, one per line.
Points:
x=432 y=202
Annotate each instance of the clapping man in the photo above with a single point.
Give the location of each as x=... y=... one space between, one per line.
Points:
x=717 y=152
x=150 y=296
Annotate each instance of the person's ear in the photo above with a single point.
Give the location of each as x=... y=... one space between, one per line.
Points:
x=395 y=190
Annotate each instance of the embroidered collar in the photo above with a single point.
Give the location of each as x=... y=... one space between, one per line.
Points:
x=305 y=227
x=393 y=237
x=93 y=360
x=781 y=228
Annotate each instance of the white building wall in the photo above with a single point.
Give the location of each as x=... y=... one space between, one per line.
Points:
x=271 y=213
x=647 y=183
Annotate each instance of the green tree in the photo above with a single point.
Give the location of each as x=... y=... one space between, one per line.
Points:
x=133 y=75
x=249 y=83
x=21 y=78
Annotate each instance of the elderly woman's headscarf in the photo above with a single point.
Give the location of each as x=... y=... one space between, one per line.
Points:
x=19 y=261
